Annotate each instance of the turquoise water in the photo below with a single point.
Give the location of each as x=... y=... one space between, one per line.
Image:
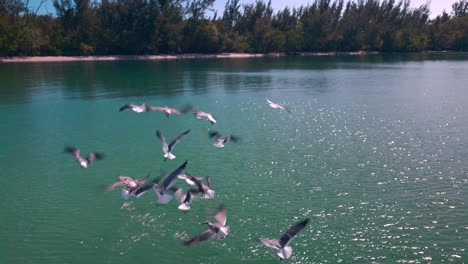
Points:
x=374 y=153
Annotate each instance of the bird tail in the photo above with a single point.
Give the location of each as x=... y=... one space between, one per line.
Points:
x=125 y=194
x=169 y=155
x=184 y=206
x=285 y=252
x=163 y=198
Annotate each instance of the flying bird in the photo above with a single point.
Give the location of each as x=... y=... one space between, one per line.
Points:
x=217 y=229
x=130 y=185
x=166 y=110
x=203 y=115
x=92 y=156
x=273 y=105
x=191 y=180
x=202 y=189
x=136 y=108
x=162 y=188
x=282 y=244
x=219 y=141
x=168 y=148
x=184 y=199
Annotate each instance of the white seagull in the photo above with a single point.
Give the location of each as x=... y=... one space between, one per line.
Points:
x=217 y=229
x=135 y=108
x=204 y=115
x=184 y=200
x=168 y=148
x=273 y=105
x=219 y=141
x=166 y=110
x=162 y=188
x=92 y=156
x=284 y=251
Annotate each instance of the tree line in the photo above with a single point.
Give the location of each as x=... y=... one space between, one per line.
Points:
x=131 y=27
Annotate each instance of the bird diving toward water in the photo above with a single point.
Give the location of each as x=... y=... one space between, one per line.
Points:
x=165 y=185
x=92 y=156
x=219 y=141
x=130 y=185
x=273 y=105
x=282 y=244
x=217 y=229
x=203 y=115
x=136 y=108
x=168 y=148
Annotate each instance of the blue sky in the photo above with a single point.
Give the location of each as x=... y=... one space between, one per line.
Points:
x=436 y=6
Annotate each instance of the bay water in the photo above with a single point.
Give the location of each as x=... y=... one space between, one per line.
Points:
x=374 y=152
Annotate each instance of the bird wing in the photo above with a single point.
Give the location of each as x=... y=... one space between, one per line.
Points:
x=163 y=141
x=94 y=156
x=140 y=191
x=127 y=106
x=156 y=108
x=177 y=139
x=76 y=153
x=270 y=102
x=200 y=238
x=143 y=180
x=234 y=138
x=215 y=134
x=208 y=181
x=271 y=243
x=179 y=195
x=292 y=232
x=112 y=186
x=221 y=216
x=170 y=179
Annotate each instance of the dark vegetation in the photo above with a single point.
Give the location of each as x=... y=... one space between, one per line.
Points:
x=112 y=27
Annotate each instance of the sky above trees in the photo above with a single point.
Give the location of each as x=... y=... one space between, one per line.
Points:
x=436 y=6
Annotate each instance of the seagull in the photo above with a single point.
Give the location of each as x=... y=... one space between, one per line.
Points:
x=162 y=188
x=220 y=141
x=273 y=105
x=83 y=162
x=202 y=189
x=191 y=180
x=284 y=251
x=203 y=115
x=217 y=229
x=184 y=200
x=168 y=148
x=131 y=186
x=166 y=110
x=135 y=108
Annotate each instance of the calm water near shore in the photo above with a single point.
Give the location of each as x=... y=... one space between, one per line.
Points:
x=374 y=153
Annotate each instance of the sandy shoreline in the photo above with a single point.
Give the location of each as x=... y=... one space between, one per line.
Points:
x=171 y=57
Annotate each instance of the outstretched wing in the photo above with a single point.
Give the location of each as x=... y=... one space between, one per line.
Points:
x=215 y=134
x=171 y=178
x=127 y=106
x=163 y=141
x=177 y=139
x=292 y=232
x=271 y=243
x=112 y=186
x=200 y=238
x=94 y=156
x=221 y=216
x=156 y=108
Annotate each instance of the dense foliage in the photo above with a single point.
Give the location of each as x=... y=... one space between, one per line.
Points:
x=81 y=27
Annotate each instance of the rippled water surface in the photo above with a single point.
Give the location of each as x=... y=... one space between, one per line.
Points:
x=374 y=152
